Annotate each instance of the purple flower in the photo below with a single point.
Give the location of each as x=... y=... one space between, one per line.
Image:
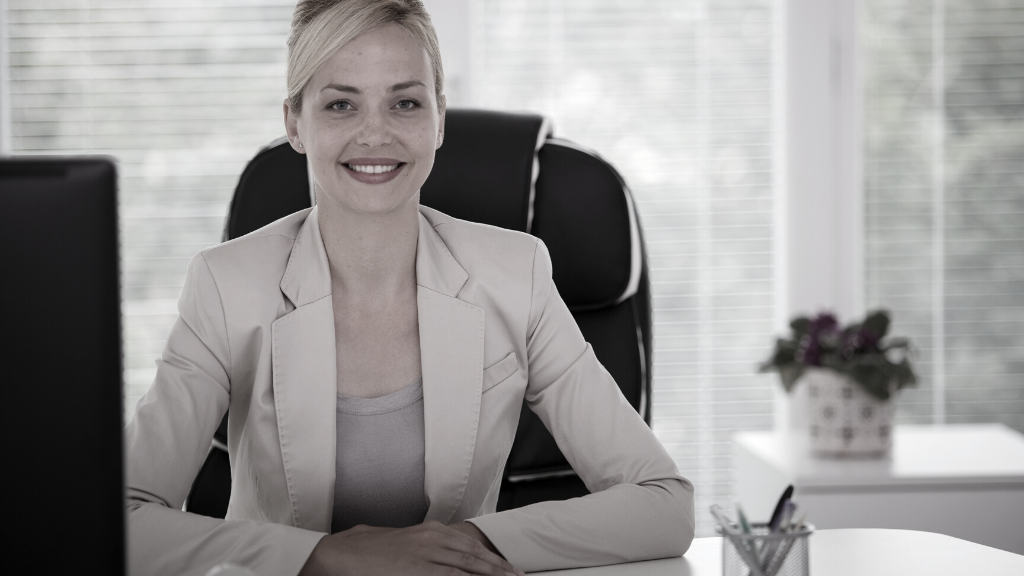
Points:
x=824 y=323
x=809 y=351
x=857 y=350
x=823 y=336
x=858 y=340
x=825 y=330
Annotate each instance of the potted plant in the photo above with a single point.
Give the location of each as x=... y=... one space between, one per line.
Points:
x=852 y=374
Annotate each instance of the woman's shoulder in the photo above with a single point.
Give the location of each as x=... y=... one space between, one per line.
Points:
x=504 y=268
x=259 y=257
x=481 y=247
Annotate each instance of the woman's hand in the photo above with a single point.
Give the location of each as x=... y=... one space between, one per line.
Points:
x=473 y=532
x=428 y=548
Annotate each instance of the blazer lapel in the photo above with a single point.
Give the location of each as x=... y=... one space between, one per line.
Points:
x=305 y=383
x=452 y=350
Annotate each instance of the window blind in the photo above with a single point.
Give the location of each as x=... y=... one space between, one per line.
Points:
x=677 y=96
x=181 y=94
x=944 y=178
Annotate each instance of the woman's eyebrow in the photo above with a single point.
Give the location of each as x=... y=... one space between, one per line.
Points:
x=354 y=90
x=404 y=85
x=341 y=88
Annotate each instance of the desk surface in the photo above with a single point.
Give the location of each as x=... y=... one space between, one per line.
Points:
x=855 y=552
x=922 y=455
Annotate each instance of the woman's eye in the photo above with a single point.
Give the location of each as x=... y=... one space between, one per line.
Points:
x=407 y=104
x=340 y=105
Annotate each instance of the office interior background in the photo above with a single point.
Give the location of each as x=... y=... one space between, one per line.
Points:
x=686 y=98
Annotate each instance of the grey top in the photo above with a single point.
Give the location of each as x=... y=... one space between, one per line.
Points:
x=379 y=460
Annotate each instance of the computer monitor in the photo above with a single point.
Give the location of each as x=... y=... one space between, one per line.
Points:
x=63 y=505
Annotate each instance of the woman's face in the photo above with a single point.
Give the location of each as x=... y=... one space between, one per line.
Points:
x=370 y=122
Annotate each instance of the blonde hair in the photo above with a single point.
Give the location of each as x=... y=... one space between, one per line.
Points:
x=321 y=27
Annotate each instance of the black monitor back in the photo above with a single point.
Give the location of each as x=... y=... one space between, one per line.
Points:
x=61 y=355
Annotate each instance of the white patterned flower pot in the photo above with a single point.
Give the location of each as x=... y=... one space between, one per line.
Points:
x=844 y=419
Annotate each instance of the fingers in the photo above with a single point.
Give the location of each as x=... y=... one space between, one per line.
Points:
x=463 y=544
x=430 y=548
x=439 y=570
x=362 y=529
x=468 y=562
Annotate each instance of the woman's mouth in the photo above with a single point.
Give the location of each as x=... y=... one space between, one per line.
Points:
x=373 y=171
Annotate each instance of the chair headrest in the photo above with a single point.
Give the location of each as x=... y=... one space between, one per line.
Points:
x=501 y=169
x=506 y=170
x=486 y=169
x=585 y=216
x=274 y=184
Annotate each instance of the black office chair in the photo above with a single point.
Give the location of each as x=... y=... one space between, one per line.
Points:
x=505 y=170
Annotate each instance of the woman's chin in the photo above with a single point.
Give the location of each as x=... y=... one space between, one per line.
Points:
x=376 y=206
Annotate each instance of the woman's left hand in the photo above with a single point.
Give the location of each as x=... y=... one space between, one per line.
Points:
x=427 y=548
x=473 y=532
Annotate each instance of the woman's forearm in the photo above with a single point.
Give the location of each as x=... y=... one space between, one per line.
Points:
x=168 y=541
x=625 y=523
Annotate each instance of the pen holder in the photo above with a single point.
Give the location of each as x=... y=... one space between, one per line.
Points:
x=765 y=553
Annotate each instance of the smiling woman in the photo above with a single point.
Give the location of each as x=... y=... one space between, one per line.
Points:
x=375 y=354
x=372 y=94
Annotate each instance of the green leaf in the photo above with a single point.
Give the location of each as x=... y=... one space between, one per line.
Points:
x=875 y=371
x=873 y=379
x=801 y=325
x=904 y=374
x=784 y=353
x=877 y=322
x=896 y=342
x=790 y=373
x=834 y=362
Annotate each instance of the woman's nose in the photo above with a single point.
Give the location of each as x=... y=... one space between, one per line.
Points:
x=374 y=130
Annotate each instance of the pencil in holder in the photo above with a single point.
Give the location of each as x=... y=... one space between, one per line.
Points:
x=766 y=553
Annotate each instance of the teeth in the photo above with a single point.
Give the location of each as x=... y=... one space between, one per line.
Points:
x=372 y=168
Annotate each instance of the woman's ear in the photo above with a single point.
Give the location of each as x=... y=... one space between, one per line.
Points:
x=440 y=124
x=291 y=126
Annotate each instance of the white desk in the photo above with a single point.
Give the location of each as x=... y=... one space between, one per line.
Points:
x=965 y=481
x=861 y=552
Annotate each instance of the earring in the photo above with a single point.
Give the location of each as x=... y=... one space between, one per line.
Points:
x=300 y=144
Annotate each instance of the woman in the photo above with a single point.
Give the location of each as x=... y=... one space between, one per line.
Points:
x=311 y=330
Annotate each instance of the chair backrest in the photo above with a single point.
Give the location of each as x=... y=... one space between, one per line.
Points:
x=506 y=170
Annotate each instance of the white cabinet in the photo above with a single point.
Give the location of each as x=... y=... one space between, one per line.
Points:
x=966 y=481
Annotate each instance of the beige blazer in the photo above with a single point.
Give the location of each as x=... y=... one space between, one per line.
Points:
x=255 y=334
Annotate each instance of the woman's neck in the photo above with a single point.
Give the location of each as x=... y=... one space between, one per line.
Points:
x=371 y=256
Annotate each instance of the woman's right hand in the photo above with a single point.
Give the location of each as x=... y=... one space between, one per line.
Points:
x=429 y=548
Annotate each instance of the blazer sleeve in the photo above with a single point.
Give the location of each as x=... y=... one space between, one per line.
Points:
x=639 y=508
x=167 y=441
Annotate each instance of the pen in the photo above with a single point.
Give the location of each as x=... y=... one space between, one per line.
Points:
x=782 y=527
x=743 y=519
x=787 y=516
x=752 y=546
x=743 y=548
x=773 y=524
x=721 y=518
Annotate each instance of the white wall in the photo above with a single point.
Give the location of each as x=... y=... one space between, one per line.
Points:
x=819 y=257
x=452 y=21
x=819 y=186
